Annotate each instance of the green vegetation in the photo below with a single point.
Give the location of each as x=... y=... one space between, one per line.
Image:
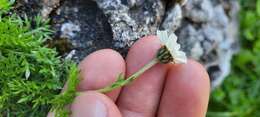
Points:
x=5 y=5
x=239 y=96
x=32 y=75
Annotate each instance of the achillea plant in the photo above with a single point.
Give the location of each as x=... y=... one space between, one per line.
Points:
x=32 y=75
x=5 y=5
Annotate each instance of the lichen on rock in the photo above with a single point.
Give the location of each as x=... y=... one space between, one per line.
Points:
x=207 y=29
x=213 y=27
x=131 y=20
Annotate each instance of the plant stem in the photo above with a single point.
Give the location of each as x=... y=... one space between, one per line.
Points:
x=130 y=78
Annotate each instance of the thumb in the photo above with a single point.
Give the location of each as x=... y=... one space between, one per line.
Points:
x=94 y=104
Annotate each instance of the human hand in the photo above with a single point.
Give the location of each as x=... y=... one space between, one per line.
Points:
x=180 y=90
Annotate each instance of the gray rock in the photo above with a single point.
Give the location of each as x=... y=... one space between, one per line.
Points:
x=48 y=6
x=131 y=20
x=207 y=29
x=173 y=18
x=199 y=10
x=84 y=26
x=69 y=30
x=214 y=30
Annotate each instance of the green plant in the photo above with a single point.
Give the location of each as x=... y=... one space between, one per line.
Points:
x=5 y=5
x=32 y=75
x=60 y=102
x=240 y=94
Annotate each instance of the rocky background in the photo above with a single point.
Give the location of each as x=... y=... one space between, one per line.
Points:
x=207 y=29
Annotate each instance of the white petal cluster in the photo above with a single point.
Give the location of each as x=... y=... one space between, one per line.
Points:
x=170 y=41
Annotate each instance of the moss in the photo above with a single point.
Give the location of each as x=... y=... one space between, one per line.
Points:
x=5 y=5
x=32 y=75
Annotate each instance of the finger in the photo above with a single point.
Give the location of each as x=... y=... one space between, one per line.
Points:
x=93 y=104
x=141 y=97
x=186 y=91
x=101 y=69
x=98 y=70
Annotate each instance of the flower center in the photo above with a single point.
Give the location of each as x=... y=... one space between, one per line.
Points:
x=164 y=55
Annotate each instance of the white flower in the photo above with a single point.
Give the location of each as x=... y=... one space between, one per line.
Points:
x=170 y=42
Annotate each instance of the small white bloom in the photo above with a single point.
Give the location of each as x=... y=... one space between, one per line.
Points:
x=170 y=42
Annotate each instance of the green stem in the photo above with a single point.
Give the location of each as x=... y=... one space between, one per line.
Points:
x=130 y=78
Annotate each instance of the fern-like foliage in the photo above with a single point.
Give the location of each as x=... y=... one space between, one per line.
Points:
x=5 y=5
x=32 y=75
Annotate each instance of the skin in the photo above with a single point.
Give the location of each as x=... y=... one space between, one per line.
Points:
x=163 y=91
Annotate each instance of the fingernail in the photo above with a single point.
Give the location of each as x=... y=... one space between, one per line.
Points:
x=96 y=109
x=88 y=106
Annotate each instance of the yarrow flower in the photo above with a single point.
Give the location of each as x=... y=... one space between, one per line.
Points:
x=170 y=51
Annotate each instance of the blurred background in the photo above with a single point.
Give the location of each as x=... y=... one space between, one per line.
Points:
x=239 y=95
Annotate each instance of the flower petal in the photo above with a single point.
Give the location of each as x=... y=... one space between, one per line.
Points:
x=180 y=57
x=173 y=37
x=172 y=40
x=172 y=46
x=162 y=36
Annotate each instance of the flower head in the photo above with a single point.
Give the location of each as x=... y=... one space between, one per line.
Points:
x=170 y=50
